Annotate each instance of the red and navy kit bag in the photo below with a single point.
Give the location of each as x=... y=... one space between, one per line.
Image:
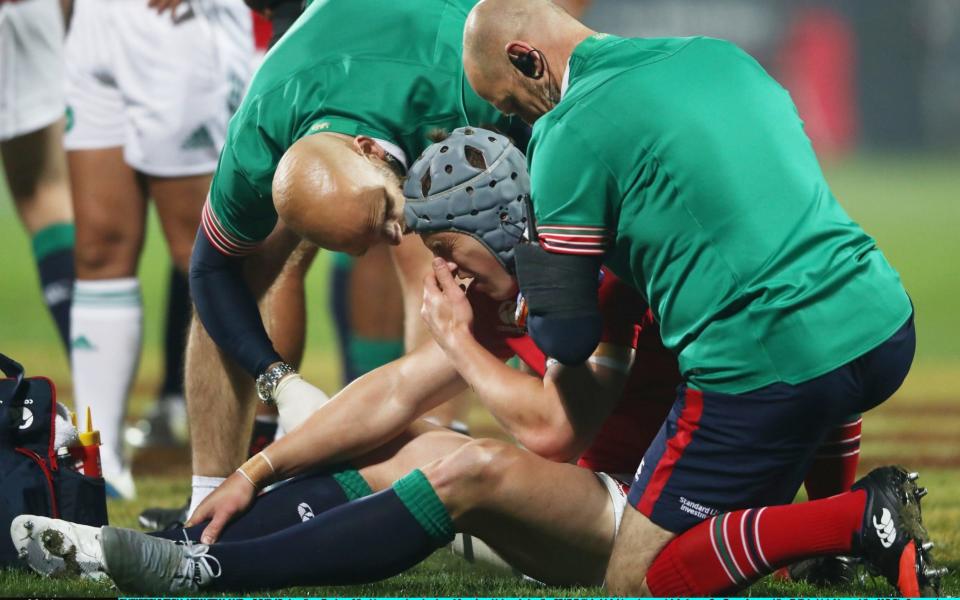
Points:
x=32 y=479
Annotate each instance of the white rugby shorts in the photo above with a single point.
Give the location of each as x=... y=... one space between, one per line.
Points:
x=617 y=488
x=162 y=88
x=31 y=66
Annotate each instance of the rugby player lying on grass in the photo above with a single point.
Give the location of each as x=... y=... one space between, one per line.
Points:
x=551 y=520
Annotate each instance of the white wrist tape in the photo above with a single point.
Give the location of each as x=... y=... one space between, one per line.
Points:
x=297 y=400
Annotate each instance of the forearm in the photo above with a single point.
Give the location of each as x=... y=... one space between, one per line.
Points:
x=227 y=308
x=369 y=412
x=528 y=407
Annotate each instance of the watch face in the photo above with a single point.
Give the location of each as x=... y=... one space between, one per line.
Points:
x=263 y=388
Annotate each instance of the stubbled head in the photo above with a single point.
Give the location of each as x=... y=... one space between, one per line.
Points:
x=515 y=53
x=469 y=259
x=339 y=192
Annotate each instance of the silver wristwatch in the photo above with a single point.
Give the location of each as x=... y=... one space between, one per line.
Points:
x=268 y=380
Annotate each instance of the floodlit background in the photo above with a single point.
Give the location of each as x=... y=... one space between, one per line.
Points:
x=878 y=85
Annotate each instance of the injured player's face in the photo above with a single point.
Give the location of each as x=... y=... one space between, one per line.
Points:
x=469 y=259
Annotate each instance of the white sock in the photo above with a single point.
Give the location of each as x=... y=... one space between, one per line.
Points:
x=202 y=487
x=106 y=323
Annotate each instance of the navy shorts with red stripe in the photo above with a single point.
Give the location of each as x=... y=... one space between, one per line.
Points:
x=721 y=452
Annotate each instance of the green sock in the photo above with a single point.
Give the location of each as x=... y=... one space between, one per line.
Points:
x=352 y=483
x=422 y=501
x=53 y=238
x=53 y=252
x=366 y=354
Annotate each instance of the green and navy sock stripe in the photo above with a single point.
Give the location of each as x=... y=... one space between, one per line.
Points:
x=752 y=562
x=571 y=239
x=418 y=495
x=715 y=543
x=756 y=540
x=751 y=545
x=53 y=238
x=223 y=240
x=352 y=483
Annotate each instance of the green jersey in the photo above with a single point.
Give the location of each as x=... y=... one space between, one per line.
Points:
x=686 y=167
x=386 y=69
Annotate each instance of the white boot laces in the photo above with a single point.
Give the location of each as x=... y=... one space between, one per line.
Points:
x=196 y=570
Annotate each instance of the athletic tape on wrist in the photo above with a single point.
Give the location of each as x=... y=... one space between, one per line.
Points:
x=258 y=470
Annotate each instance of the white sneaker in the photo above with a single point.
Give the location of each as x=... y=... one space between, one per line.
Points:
x=136 y=562
x=55 y=547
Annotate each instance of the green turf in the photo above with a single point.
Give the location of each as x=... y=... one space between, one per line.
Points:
x=909 y=204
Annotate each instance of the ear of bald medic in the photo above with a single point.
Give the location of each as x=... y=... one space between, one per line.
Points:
x=516 y=52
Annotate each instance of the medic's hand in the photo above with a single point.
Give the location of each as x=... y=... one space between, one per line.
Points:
x=446 y=310
x=231 y=499
x=297 y=400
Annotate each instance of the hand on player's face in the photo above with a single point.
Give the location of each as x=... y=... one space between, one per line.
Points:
x=445 y=310
x=469 y=259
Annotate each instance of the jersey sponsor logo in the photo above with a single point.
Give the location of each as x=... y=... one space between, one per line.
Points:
x=696 y=509
x=305 y=512
x=885 y=528
x=319 y=126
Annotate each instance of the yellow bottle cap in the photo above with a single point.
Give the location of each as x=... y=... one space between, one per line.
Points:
x=90 y=437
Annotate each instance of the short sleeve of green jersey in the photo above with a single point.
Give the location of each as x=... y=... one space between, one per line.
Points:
x=237 y=216
x=571 y=188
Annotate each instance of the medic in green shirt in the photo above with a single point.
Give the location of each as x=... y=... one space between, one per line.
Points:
x=314 y=155
x=681 y=165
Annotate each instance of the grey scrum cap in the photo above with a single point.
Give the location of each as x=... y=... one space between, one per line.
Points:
x=473 y=182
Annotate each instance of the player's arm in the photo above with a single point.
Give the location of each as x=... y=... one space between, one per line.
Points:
x=372 y=410
x=571 y=192
x=556 y=416
x=227 y=307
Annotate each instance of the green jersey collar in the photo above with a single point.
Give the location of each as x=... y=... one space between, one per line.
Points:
x=582 y=55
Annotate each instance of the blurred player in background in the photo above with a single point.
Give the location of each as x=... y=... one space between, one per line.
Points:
x=31 y=130
x=149 y=98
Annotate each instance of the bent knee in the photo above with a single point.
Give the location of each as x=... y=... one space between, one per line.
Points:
x=471 y=473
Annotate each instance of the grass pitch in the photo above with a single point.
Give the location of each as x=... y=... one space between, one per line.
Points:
x=909 y=204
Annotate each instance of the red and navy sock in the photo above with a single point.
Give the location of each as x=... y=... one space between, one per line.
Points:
x=834 y=467
x=286 y=504
x=362 y=541
x=734 y=549
x=53 y=252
